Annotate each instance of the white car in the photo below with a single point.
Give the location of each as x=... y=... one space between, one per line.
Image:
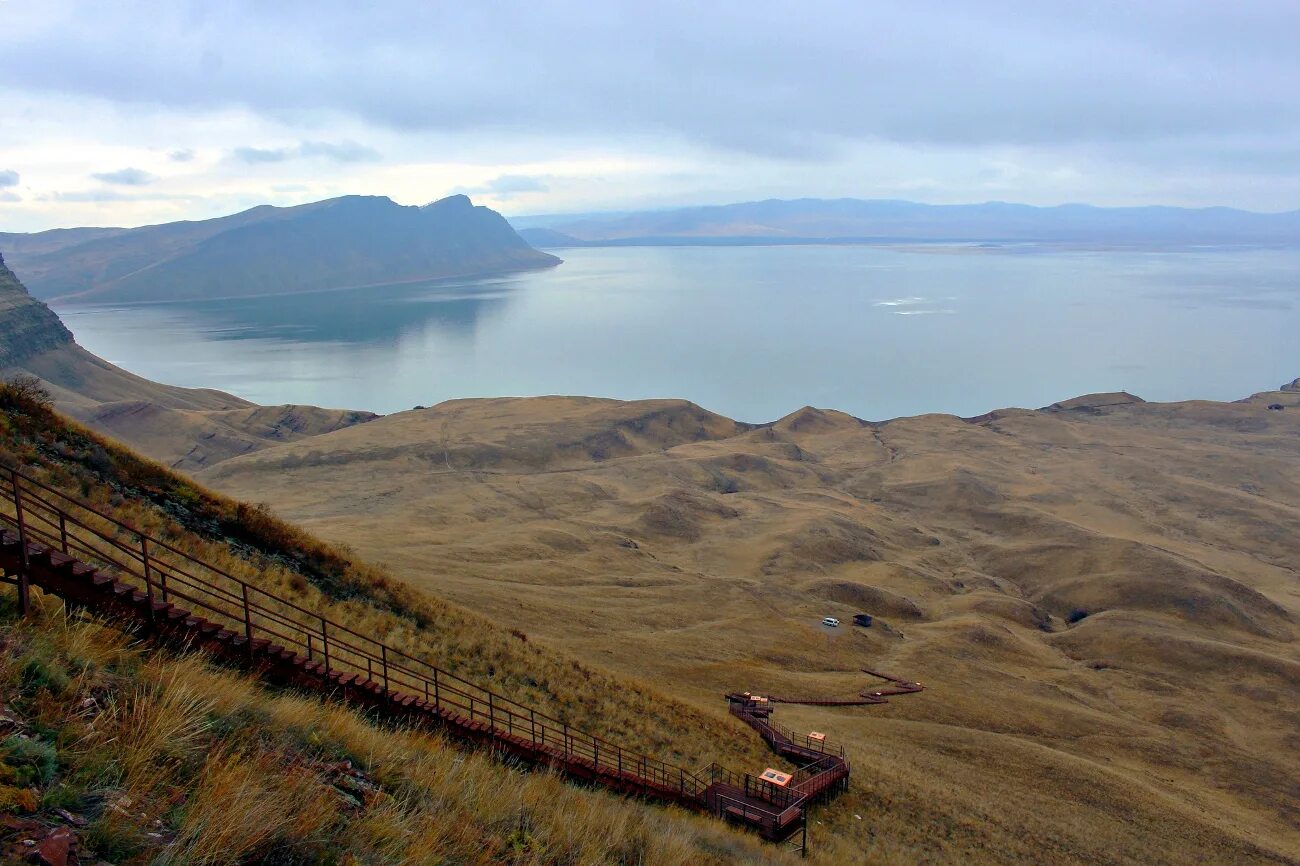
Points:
x=830 y=621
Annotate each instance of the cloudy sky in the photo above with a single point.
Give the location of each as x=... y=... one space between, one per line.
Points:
x=126 y=113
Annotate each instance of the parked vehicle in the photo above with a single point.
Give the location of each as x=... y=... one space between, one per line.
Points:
x=830 y=621
x=862 y=619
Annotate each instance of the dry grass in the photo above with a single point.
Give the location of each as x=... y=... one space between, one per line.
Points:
x=1160 y=728
x=250 y=543
x=179 y=762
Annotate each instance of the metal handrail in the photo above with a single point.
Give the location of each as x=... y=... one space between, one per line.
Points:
x=64 y=523
x=165 y=574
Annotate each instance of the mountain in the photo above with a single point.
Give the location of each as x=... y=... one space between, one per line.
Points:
x=187 y=428
x=848 y=220
x=338 y=243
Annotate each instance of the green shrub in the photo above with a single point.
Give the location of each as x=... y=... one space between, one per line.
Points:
x=31 y=761
x=40 y=672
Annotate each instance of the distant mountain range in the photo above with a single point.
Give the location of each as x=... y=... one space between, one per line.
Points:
x=338 y=243
x=849 y=220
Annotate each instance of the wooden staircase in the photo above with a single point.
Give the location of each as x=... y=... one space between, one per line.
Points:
x=95 y=562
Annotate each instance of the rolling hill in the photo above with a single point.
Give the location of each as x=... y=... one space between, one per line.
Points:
x=1100 y=596
x=338 y=243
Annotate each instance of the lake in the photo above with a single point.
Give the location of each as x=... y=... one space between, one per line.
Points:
x=751 y=332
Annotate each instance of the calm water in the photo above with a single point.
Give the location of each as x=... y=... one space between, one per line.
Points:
x=751 y=332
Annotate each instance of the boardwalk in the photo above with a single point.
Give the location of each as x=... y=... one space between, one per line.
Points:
x=95 y=562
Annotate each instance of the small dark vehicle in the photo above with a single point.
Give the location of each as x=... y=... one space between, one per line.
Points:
x=862 y=619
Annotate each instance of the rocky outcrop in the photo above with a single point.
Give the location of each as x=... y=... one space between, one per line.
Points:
x=1293 y=387
x=27 y=327
x=1094 y=402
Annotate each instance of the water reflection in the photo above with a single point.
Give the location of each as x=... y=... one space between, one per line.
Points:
x=375 y=316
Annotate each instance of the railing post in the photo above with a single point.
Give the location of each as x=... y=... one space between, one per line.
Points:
x=325 y=644
x=63 y=531
x=618 y=750
x=248 y=619
x=492 y=713
x=24 y=566
x=309 y=653
x=532 y=725
x=437 y=695
x=383 y=658
x=567 y=749
x=148 y=578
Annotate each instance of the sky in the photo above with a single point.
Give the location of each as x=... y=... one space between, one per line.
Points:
x=128 y=113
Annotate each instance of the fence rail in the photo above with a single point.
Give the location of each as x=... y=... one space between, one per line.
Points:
x=168 y=584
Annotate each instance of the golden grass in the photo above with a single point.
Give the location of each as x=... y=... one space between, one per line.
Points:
x=176 y=761
x=1161 y=727
x=249 y=543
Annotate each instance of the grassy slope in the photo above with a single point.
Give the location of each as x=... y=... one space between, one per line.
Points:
x=174 y=761
x=249 y=542
x=1160 y=728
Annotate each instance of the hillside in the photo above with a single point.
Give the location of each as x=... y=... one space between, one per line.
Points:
x=1100 y=596
x=118 y=748
x=338 y=243
x=805 y=220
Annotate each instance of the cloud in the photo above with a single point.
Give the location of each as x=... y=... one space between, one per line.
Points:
x=343 y=151
x=126 y=177
x=185 y=155
x=255 y=155
x=9 y=178
x=762 y=77
x=506 y=186
x=7 y=196
x=90 y=195
x=111 y=195
x=1112 y=101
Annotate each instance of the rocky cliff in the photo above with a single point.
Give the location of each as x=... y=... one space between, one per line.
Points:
x=27 y=327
